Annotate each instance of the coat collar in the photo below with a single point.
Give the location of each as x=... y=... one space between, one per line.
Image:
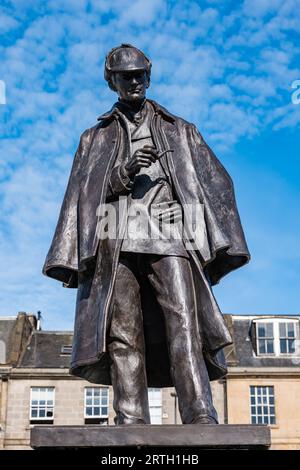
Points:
x=157 y=108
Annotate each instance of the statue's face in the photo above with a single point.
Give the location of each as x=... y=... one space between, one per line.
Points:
x=131 y=86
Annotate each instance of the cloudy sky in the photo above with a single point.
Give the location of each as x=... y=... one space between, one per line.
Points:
x=227 y=66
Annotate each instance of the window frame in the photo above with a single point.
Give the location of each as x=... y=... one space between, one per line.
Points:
x=288 y=338
x=66 y=350
x=95 y=418
x=276 y=337
x=156 y=407
x=262 y=405
x=40 y=419
x=265 y=338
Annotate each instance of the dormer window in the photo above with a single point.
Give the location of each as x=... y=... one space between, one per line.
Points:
x=66 y=350
x=275 y=336
x=265 y=337
x=287 y=337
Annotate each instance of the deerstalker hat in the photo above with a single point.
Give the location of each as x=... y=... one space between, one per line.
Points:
x=126 y=58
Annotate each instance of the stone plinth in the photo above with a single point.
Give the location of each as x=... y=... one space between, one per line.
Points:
x=188 y=435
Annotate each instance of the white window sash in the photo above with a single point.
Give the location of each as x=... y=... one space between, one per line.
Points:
x=270 y=393
x=93 y=406
x=155 y=405
x=37 y=394
x=276 y=335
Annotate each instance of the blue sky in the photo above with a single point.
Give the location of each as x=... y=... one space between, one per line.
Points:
x=227 y=66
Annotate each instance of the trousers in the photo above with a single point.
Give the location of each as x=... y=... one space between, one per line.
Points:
x=172 y=281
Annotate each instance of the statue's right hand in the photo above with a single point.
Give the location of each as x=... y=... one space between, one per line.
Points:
x=143 y=157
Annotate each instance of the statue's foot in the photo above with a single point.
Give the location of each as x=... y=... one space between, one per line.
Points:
x=205 y=420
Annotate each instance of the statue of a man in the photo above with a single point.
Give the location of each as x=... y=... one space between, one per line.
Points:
x=145 y=311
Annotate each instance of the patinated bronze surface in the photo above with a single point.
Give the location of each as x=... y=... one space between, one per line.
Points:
x=145 y=311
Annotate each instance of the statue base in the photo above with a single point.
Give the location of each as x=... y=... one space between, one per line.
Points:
x=202 y=436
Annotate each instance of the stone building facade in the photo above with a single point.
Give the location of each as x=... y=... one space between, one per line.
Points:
x=262 y=385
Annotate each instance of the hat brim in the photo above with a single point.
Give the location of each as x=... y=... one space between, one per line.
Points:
x=125 y=68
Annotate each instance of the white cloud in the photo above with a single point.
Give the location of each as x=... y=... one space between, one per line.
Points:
x=142 y=13
x=260 y=8
x=7 y=23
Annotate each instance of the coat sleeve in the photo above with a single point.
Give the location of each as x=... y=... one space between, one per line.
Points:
x=118 y=184
x=62 y=259
x=226 y=237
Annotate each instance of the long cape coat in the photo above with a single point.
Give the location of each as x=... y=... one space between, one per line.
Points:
x=79 y=259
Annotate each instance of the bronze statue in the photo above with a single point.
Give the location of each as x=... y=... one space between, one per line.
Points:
x=145 y=311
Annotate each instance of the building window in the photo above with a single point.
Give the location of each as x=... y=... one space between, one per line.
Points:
x=287 y=337
x=262 y=402
x=66 y=350
x=155 y=405
x=96 y=405
x=42 y=405
x=265 y=336
x=2 y=352
x=276 y=337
